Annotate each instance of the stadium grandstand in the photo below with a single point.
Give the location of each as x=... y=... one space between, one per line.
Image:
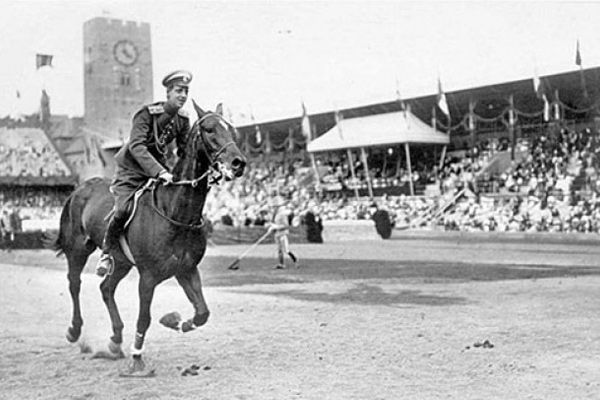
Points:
x=518 y=157
x=506 y=158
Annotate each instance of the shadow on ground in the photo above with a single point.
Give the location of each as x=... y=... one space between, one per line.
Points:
x=260 y=271
x=366 y=294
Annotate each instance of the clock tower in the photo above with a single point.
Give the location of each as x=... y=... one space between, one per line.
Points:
x=117 y=73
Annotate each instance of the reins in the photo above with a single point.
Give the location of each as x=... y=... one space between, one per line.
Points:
x=199 y=225
x=212 y=162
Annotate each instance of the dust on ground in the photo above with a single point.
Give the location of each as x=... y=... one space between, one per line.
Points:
x=357 y=320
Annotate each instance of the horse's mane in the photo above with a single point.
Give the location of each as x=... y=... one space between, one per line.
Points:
x=189 y=152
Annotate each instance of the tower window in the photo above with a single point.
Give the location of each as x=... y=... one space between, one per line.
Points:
x=125 y=79
x=136 y=79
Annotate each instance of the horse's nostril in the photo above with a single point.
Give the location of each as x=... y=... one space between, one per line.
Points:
x=238 y=163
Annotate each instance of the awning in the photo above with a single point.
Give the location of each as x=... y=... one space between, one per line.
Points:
x=377 y=130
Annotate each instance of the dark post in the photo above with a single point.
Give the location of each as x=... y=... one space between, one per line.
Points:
x=472 y=127
x=511 y=127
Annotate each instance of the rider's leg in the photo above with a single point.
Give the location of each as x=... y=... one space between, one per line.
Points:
x=111 y=238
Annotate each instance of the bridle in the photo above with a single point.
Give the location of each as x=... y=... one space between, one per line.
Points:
x=212 y=160
x=212 y=170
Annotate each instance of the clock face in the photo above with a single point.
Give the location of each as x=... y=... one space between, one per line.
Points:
x=125 y=52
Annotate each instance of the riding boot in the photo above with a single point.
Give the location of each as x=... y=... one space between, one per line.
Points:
x=111 y=242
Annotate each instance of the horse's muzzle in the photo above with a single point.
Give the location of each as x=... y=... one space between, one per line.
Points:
x=238 y=165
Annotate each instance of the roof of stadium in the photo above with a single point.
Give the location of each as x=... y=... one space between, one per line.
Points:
x=489 y=100
x=377 y=130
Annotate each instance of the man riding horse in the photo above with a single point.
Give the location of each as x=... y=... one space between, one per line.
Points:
x=146 y=155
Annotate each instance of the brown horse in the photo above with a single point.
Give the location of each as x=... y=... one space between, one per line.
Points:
x=166 y=236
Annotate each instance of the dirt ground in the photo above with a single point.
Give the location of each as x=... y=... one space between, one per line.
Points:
x=372 y=319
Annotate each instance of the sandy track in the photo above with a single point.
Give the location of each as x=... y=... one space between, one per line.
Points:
x=350 y=324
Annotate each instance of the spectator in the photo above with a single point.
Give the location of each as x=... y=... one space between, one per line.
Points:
x=281 y=227
x=8 y=234
x=314 y=224
x=383 y=223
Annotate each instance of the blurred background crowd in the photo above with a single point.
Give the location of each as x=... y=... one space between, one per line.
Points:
x=550 y=185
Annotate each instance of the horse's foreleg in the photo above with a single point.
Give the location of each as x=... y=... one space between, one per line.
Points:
x=108 y=288
x=76 y=263
x=146 y=288
x=192 y=286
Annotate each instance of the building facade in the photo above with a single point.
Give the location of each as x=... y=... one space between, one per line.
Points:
x=117 y=73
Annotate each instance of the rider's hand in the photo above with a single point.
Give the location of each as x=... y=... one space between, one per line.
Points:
x=166 y=176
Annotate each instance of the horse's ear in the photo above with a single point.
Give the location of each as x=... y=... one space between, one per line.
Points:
x=219 y=109
x=199 y=111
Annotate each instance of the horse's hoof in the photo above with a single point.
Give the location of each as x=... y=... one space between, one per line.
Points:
x=137 y=369
x=114 y=352
x=171 y=320
x=115 y=348
x=72 y=335
x=187 y=326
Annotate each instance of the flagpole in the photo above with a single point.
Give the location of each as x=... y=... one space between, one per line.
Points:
x=351 y=164
x=472 y=128
x=316 y=172
x=582 y=77
x=363 y=153
x=511 y=126
x=409 y=168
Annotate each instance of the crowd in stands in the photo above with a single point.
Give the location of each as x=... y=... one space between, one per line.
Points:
x=27 y=152
x=33 y=207
x=553 y=187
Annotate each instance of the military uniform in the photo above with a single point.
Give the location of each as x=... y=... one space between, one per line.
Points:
x=147 y=153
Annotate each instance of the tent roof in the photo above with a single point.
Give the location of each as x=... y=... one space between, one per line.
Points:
x=377 y=130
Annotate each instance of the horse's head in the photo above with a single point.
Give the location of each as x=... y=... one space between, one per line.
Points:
x=218 y=142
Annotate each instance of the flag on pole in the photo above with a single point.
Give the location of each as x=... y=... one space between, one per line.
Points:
x=45 y=110
x=399 y=96
x=291 y=139
x=471 y=115
x=582 y=77
x=257 y=132
x=42 y=60
x=537 y=85
x=546 y=109
x=338 y=123
x=441 y=100
x=306 y=131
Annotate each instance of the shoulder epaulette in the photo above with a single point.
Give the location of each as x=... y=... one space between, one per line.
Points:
x=156 y=109
x=183 y=113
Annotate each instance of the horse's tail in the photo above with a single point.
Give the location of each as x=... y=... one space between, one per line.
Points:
x=55 y=240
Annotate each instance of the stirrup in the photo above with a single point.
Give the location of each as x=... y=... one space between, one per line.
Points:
x=106 y=265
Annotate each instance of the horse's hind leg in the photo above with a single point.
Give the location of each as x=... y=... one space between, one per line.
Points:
x=76 y=261
x=108 y=287
x=192 y=286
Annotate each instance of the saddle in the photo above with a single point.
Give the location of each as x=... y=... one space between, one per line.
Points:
x=132 y=208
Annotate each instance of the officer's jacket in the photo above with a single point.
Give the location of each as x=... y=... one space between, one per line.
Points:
x=147 y=151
